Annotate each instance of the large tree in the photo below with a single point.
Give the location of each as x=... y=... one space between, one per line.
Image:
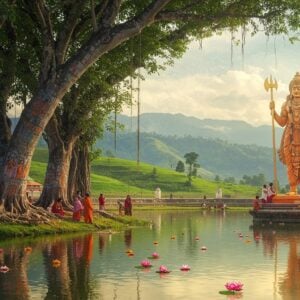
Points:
x=73 y=36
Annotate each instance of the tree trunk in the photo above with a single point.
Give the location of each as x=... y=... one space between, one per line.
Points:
x=79 y=177
x=54 y=84
x=56 y=178
x=7 y=76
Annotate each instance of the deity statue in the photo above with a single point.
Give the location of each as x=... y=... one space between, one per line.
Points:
x=289 y=152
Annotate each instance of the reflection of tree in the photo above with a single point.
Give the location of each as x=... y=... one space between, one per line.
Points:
x=14 y=284
x=128 y=237
x=58 y=278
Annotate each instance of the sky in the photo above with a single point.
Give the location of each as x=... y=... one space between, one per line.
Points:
x=205 y=83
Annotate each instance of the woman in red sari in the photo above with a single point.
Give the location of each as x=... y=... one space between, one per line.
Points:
x=57 y=208
x=88 y=209
x=128 y=206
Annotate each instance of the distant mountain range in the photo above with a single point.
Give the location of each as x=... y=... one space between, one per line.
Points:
x=179 y=125
x=225 y=148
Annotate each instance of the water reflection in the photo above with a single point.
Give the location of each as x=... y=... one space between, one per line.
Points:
x=128 y=238
x=14 y=284
x=94 y=266
x=288 y=283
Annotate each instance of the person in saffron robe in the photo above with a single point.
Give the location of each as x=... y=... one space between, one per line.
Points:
x=88 y=209
x=101 y=202
x=57 y=208
x=77 y=209
x=128 y=206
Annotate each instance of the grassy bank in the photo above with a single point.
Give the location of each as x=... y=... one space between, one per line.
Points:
x=117 y=177
x=68 y=226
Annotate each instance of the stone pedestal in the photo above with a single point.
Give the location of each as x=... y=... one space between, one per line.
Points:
x=282 y=198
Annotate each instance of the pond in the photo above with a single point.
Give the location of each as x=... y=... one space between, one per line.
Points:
x=96 y=266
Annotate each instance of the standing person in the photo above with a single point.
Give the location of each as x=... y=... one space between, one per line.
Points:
x=121 y=207
x=289 y=152
x=128 y=206
x=271 y=192
x=88 y=209
x=77 y=209
x=101 y=202
x=57 y=207
x=264 y=193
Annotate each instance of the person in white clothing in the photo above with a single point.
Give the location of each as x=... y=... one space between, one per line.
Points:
x=264 y=193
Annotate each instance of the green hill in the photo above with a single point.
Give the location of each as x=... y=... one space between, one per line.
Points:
x=216 y=157
x=117 y=177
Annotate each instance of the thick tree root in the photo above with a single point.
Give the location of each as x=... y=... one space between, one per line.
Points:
x=33 y=216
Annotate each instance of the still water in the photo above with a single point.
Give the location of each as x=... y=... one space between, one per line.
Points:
x=96 y=266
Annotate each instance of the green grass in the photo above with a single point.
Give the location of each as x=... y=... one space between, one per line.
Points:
x=117 y=177
x=68 y=226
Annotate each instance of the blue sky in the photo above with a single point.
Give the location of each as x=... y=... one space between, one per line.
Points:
x=205 y=84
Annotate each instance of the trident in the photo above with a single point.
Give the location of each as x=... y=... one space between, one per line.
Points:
x=270 y=85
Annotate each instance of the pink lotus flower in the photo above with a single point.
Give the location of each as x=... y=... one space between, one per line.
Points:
x=185 y=268
x=234 y=286
x=4 y=269
x=145 y=263
x=155 y=255
x=163 y=269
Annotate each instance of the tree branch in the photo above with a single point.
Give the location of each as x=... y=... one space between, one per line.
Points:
x=110 y=13
x=93 y=14
x=106 y=39
x=65 y=35
x=48 y=60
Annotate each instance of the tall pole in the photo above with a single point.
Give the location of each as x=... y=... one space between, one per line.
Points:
x=270 y=85
x=139 y=101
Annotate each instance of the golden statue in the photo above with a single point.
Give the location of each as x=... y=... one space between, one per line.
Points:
x=289 y=152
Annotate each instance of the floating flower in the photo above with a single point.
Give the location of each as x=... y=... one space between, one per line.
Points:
x=203 y=248
x=241 y=235
x=185 y=268
x=129 y=251
x=155 y=243
x=4 y=269
x=155 y=255
x=197 y=238
x=56 y=263
x=163 y=269
x=27 y=249
x=234 y=286
x=146 y=263
x=173 y=237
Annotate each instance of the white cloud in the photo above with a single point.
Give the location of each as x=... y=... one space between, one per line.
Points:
x=234 y=95
x=205 y=85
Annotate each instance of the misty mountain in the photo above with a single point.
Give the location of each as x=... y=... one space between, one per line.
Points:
x=216 y=157
x=179 y=125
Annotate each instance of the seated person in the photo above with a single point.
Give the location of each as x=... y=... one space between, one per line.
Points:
x=57 y=207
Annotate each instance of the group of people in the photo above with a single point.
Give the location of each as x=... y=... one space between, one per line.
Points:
x=267 y=193
x=81 y=206
x=84 y=206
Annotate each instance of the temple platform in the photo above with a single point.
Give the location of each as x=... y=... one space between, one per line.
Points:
x=281 y=212
x=284 y=199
